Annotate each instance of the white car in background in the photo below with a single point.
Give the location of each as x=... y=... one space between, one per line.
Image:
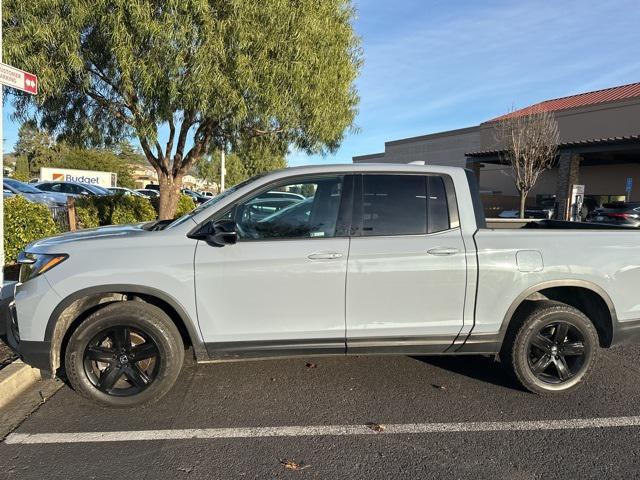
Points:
x=147 y=192
x=125 y=191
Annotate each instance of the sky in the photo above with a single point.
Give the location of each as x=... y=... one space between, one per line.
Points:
x=435 y=65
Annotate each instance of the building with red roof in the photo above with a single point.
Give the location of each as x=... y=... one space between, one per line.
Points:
x=599 y=148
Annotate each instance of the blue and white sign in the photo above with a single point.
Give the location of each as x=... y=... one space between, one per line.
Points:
x=629 y=184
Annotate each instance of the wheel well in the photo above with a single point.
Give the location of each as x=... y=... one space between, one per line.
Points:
x=78 y=311
x=587 y=301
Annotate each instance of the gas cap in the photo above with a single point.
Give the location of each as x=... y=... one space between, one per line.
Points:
x=529 y=261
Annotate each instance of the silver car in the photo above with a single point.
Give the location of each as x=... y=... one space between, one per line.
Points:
x=14 y=187
x=378 y=258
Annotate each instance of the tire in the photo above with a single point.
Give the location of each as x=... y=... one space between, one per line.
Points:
x=113 y=368
x=556 y=335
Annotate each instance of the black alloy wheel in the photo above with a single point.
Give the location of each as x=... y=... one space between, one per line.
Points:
x=557 y=352
x=121 y=361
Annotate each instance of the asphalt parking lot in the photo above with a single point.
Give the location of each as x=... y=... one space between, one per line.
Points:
x=592 y=433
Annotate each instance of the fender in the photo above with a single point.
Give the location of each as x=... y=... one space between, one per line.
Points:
x=556 y=283
x=56 y=330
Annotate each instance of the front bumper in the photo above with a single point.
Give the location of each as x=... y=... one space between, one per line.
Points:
x=35 y=354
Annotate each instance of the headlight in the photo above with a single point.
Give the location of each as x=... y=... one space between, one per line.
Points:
x=34 y=264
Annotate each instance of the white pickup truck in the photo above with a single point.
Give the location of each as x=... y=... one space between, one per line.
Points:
x=354 y=259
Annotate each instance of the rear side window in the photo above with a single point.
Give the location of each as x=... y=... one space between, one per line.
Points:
x=404 y=205
x=394 y=205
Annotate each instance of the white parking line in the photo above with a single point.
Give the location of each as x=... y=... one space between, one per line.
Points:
x=315 y=431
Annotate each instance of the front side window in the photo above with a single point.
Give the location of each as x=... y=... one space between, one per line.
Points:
x=306 y=209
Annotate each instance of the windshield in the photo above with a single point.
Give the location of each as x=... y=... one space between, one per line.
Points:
x=213 y=201
x=22 y=187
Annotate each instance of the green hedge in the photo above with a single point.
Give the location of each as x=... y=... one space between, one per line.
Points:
x=113 y=210
x=27 y=221
x=24 y=222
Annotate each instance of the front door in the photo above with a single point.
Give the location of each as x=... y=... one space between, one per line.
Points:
x=281 y=288
x=406 y=276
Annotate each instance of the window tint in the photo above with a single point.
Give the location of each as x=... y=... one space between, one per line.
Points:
x=404 y=205
x=438 y=211
x=50 y=187
x=394 y=205
x=311 y=213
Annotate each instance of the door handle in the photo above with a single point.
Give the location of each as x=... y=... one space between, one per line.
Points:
x=441 y=251
x=325 y=256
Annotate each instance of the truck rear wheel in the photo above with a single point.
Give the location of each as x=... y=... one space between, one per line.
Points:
x=552 y=348
x=125 y=354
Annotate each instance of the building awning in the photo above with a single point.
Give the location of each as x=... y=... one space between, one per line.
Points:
x=577 y=146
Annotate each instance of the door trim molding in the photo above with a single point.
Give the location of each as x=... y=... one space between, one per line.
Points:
x=275 y=348
x=412 y=345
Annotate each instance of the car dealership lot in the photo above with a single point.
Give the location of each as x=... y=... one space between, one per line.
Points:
x=347 y=395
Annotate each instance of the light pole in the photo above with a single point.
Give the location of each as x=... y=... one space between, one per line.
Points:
x=223 y=168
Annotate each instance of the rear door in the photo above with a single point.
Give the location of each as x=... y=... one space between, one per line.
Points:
x=406 y=275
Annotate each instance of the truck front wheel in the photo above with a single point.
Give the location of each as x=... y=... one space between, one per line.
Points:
x=552 y=348
x=125 y=354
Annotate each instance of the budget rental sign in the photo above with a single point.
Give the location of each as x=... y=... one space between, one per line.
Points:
x=16 y=78
x=91 y=177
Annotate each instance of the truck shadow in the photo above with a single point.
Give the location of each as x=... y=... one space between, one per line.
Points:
x=476 y=367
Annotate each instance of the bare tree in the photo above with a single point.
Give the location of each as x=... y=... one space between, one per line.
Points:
x=528 y=142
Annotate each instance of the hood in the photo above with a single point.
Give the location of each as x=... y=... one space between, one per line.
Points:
x=111 y=232
x=50 y=198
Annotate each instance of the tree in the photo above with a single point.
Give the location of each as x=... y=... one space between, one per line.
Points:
x=249 y=157
x=36 y=147
x=235 y=169
x=207 y=71
x=529 y=144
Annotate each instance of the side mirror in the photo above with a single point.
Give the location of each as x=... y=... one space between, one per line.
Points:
x=222 y=232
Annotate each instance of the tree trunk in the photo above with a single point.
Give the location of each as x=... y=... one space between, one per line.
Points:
x=523 y=200
x=169 y=195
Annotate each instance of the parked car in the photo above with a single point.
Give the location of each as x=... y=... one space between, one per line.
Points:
x=261 y=208
x=148 y=192
x=73 y=189
x=15 y=187
x=390 y=259
x=195 y=196
x=528 y=213
x=277 y=194
x=125 y=191
x=617 y=213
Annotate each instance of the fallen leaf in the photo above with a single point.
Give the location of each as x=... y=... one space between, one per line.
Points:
x=291 y=465
x=439 y=387
x=376 y=427
x=311 y=365
x=185 y=470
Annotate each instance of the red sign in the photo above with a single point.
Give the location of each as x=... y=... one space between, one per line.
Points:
x=16 y=78
x=30 y=83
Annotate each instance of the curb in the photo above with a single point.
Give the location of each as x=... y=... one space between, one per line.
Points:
x=14 y=379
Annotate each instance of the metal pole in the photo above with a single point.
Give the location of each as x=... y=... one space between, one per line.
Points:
x=223 y=170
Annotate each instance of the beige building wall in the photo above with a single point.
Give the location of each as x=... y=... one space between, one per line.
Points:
x=607 y=120
x=447 y=148
x=598 y=180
